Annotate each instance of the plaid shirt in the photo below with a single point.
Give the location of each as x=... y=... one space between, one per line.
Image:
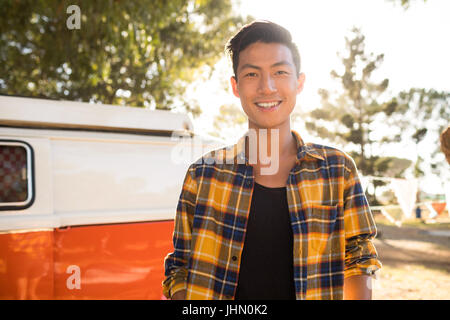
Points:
x=331 y=221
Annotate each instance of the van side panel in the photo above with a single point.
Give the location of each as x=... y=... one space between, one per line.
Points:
x=26 y=265
x=119 y=261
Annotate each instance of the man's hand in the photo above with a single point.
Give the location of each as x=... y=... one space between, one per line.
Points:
x=180 y=295
x=358 y=288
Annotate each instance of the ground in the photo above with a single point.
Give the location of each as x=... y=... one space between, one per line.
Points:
x=415 y=258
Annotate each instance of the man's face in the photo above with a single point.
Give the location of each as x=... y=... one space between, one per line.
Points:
x=267 y=84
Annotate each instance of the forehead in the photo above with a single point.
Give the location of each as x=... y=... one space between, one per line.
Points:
x=265 y=54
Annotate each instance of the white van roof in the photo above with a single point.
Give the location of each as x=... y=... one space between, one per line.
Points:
x=32 y=112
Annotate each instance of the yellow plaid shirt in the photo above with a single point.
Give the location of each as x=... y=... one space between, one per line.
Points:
x=331 y=221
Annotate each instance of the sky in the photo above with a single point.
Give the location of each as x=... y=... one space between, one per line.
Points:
x=414 y=43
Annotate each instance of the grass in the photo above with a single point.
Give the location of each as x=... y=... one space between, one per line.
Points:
x=443 y=223
x=411 y=282
x=415 y=263
x=422 y=225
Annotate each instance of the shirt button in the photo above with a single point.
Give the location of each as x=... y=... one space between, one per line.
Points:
x=234 y=258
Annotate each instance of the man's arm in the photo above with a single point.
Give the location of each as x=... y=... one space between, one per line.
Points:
x=358 y=287
x=361 y=258
x=174 y=286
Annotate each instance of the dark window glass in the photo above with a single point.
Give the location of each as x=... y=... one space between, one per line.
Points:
x=13 y=174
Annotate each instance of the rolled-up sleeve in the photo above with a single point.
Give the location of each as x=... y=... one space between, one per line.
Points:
x=361 y=256
x=176 y=263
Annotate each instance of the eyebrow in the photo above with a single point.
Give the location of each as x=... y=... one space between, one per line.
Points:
x=280 y=63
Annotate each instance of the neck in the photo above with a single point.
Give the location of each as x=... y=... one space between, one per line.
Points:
x=275 y=143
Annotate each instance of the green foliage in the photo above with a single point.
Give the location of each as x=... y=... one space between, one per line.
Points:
x=138 y=53
x=230 y=119
x=420 y=115
x=404 y=3
x=418 y=172
x=348 y=116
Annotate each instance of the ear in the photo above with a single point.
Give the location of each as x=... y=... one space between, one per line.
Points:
x=300 y=82
x=234 y=86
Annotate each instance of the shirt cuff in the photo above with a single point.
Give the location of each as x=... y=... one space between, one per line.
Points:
x=174 y=284
x=368 y=267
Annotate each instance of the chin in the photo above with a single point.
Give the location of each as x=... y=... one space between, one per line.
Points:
x=269 y=122
x=266 y=125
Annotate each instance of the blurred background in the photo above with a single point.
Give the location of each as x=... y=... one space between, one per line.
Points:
x=377 y=86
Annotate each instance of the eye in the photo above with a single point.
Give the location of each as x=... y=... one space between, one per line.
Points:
x=250 y=74
x=281 y=72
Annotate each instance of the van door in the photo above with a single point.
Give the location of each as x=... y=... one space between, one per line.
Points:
x=113 y=261
x=115 y=197
x=26 y=242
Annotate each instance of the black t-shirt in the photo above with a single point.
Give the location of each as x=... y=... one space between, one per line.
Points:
x=266 y=270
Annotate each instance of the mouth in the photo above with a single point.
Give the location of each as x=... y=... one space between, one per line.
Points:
x=268 y=105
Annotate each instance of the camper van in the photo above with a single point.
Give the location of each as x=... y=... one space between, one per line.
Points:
x=88 y=195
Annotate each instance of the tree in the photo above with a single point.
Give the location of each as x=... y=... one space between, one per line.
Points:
x=351 y=116
x=404 y=3
x=139 y=53
x=348 y=117
x=231 y=119
x=420 y=115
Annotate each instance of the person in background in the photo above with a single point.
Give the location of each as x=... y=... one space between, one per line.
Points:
x=445 y=143
x=445 y=147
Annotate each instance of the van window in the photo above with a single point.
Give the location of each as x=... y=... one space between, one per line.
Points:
x=15 y=175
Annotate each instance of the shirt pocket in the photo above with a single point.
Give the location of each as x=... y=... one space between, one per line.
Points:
x=321 y=224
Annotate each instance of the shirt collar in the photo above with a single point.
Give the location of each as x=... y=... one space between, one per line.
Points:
x=237 y=151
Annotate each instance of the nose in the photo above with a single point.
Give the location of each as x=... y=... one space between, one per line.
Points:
x=266 y=85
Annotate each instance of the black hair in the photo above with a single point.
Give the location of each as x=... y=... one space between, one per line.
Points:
x=261 y=31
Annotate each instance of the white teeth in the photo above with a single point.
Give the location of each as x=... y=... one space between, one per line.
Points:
x=267 y=104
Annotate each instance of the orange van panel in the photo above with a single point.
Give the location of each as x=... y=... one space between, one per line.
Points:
x=122 y=261
x=119 y=261
x=26 y=265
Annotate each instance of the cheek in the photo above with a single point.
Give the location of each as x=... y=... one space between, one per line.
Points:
x=246 y=89
x=291 y=86
x=246 y=100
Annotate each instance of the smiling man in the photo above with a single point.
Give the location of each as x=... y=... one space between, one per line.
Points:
x=301 y=230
